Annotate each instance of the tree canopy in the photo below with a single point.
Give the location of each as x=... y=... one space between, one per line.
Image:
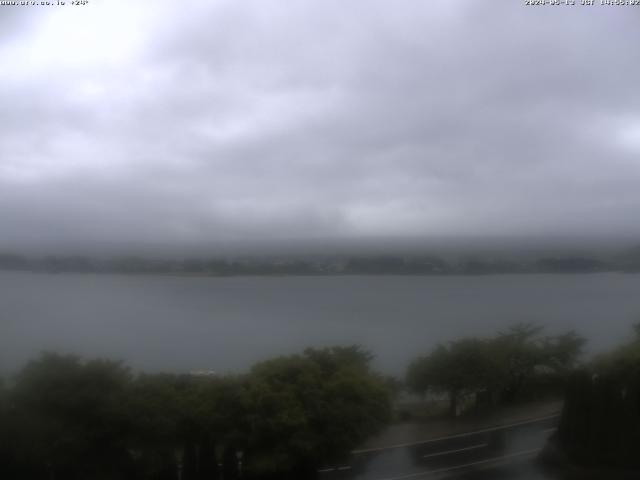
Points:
x=600 y=423
x=64 y=417
x=497 y=367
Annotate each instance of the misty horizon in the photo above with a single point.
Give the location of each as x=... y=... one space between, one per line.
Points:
x=445 y=246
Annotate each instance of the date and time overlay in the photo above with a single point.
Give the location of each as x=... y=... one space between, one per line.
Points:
x=44 y=3
x=527 y=3
x=582 y=3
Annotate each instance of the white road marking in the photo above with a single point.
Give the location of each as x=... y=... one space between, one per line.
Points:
x=472 y=447
x=459 y=435
x=334 y=469
x=473 y=464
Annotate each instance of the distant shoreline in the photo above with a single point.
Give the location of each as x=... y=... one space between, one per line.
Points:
x=336 y=265
x=283 y=275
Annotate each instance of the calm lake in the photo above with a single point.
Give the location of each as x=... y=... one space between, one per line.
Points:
x=226 y=324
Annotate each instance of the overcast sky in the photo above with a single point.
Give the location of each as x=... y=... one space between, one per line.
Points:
x=167 y=122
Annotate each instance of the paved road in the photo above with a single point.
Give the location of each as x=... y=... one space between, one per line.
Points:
x=500 y=452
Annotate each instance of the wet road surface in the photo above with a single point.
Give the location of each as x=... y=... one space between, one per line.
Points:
x=501 y=452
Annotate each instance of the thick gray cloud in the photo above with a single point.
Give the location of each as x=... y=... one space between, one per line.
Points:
x=173 y=124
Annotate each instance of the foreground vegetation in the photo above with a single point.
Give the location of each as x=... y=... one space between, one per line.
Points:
x=485 y=372
x=600 y=425
x=64 y=418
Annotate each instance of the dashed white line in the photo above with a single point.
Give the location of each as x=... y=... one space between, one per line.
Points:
x=447 y=452
x=472 y=464
x=459 y=435
x=335 y=469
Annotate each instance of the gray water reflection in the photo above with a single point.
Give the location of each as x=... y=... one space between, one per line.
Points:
x=226 y=324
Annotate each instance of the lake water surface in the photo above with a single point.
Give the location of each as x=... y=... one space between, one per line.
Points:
x=226 y=324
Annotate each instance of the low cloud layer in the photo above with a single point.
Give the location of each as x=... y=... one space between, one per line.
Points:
x=223 y=121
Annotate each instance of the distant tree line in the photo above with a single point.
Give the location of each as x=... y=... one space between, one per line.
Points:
x=353 y=265
x=66 y=418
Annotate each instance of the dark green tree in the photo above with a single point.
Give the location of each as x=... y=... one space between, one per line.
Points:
x=495 y=367
x=71 y=417
x=305 y=410
x=523 y=353
x=461 y=368
x=600 y=423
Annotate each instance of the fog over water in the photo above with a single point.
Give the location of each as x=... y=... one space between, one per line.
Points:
x=226 y=324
